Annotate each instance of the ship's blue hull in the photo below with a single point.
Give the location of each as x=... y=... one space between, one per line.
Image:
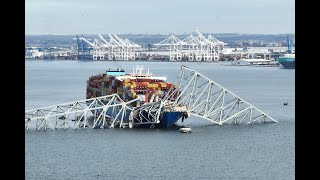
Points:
x=169 y=119
x=287 y=62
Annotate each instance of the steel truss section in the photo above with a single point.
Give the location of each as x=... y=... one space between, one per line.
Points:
x=207 y=99
x=148 y=113
x=107 y=111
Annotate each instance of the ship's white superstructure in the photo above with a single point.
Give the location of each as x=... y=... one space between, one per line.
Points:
x=138 y=74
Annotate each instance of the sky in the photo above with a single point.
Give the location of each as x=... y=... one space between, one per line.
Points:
x=69 y=17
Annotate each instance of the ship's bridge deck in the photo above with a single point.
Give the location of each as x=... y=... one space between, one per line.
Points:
x=141 y=76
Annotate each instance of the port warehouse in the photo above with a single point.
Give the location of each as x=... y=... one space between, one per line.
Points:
x=192 y=47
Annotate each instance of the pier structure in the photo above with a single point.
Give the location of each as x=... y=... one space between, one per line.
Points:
x=195 y=47
x=195 y=95
x=111 y=48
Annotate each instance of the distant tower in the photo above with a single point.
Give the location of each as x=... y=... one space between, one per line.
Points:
x=289 y=45
x=80 y=47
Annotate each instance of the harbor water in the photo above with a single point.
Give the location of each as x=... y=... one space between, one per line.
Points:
x=255 y=151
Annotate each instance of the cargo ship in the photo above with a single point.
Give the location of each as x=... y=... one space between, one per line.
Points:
x=288 y=60
x=138 y=84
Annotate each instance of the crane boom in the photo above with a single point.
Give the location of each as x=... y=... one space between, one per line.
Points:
x=104 y=40
x=82 y=38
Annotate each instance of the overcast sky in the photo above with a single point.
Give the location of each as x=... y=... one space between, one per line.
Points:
x=69 y=17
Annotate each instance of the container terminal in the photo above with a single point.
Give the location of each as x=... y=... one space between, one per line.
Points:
x=194 y=47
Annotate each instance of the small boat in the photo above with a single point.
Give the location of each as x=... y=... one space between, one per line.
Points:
x=185 y=130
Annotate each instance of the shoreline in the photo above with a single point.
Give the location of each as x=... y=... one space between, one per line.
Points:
x=124 y=60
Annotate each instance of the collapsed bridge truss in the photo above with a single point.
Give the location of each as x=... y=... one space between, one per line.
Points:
x=207 y=99
x=201 y=96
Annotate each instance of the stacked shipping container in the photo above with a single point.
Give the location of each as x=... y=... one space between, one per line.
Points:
x=127 y=89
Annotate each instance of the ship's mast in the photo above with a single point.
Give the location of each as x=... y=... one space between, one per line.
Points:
x=139 y=68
